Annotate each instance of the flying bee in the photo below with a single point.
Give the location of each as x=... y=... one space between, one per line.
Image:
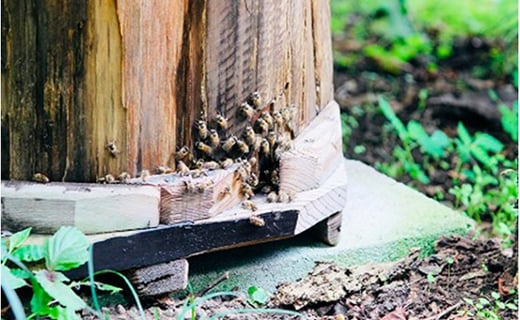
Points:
x=204 y=148
x=255 y=99
x=246 y=191
x=267 y=118
x=248 y=204
x=249 y=135
x=182 y=168
x=242 y=147
x=246 y=111
x=222 y=122
x=214 y=139
x=210 y=165
x=278 y=119
x=229 y=144
x=275 y=177
x=265 y=148
x=41 y=178
x=262 y=126
x=202 y=129
x=145 y=174
x=256 y=221
x=226 y=163
x=252 y=180
x=124 y=177
x=112 y=148
x=272 y=197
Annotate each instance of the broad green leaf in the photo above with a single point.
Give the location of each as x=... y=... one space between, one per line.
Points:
x=40 y=299
x=31 y=252
x=66 y=249
x=258 y=295
x=51 y=282
x=463 y=133
x=488 y=142
x=394 y=120
x=416 y=131
x=482 y=156
x=10 y=279
x=463 y=151
x=60 y=313
x=16 y=239
x=509 y=120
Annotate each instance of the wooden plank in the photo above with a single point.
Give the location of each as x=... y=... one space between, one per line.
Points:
x=92 y=208
x=316 y=153
x=160 y=278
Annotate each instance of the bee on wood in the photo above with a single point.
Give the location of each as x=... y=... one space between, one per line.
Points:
x=288 y=113
x=224 y=193
x=183 y=154
x=202 y=129
x=210 y=165
x=272 y=197
x=267 y=189
x=41 y=178
x=283 y=197
x=226 y=163
x=163 y=170
x=271 y=138
x=124 y=177
x=275 y=177
x=252 y=180
x=182 y=168
x=255 y=99
x=249 y=135
x=248 y=204
x=262 y=126
x=265 y=148
x=204 y=148
x=268 y=118
x=214 y=139
x=203 y=115
x=145 y=174
x=246 y=111
x=199 y=164
x=221 y=122
x=246 y=191
x=204 y=185
x=256 y=221
x=112 y=148
x=107 y=179
x=190 y=186
x=229 y=144
x=196 y=173
x=252 y=162
x=278 y=119
x=242 y=173
x=242 y=147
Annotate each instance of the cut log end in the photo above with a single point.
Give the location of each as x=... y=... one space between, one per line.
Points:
x=161 y=278
x=329 y=230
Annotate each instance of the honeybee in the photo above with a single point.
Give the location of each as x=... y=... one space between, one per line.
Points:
x=145 y=174
x=226 y=163
x=203 y=114
x=242 y=147
x=262 y=126
x=278 y=119
x=204 y=185
x=265 y=148
x=246 y=111
x=246 y=190
x=210 y=165
x=190 y=186
x=163 y=170
x=255 y=99
x=112 y=148
x=248 y=204
x=124 y=177
x=202 y=129
x=107 y=179
x=41 y=178
x=252 y=161
x=287 y=113
x=224 y=193
x=249 y=135
x=256 y=221
x=283 y=197
x=229 y=144
x=183 y=153
x=252 y=180
x=247 y=166
x=242 y=173
x=182 y=168
x=275 y=177
x=222 y=122
x=267 y=189
x=271 y=138
x=267 y=118
x=199 y=164
x=214 y=139
x=204 y=148
x=272 y=196
x=196 y=173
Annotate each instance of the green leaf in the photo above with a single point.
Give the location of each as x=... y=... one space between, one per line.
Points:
x=463 y=133
x=488 y=142
x=30 y=252
x=51 y=282
x=60 y=313
x=511 y=306
x=40 y=299
x=257 y=295
x=108 y=287
x=16 y=239
x=509 y=120
x=483 y=301
x=10 y=279
x=495 y=295
x=22 y=274
x=416 y=131
x=66 y=249
x=394 y=120
x=482 y=156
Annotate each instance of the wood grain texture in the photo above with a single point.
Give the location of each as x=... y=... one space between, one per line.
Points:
x=316 y=153
x=92 y=208
x=160 y=278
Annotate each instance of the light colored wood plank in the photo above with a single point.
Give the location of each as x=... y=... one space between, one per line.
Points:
x=316 y=153
x=160 y=278
x=92 y=208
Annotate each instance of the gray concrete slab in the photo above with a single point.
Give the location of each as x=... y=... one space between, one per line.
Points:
x=383 y=219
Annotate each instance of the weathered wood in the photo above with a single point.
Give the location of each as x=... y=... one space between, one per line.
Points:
x=316 y=153
x=137 y=73
x=329 y=230
x=92 y=208
x=160 y=278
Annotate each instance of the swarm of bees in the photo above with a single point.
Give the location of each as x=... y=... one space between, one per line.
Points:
x=257 y=148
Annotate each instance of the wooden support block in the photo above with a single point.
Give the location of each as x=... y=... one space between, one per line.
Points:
x=316 y=153
x=92 y=208
x=184 y=198
x=160 y=278
x=329 y=230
